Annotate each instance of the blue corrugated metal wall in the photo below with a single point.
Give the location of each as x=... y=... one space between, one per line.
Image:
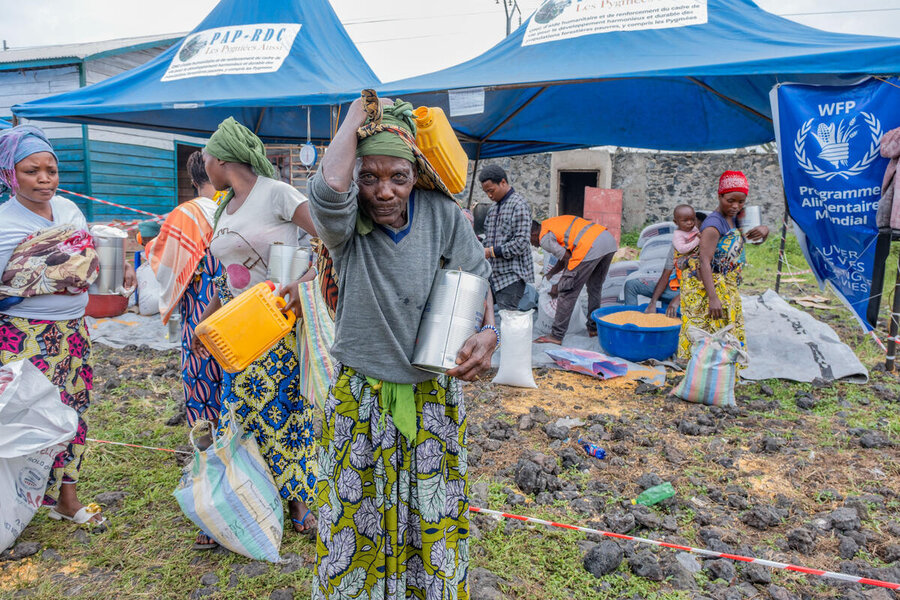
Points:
x=132 y=175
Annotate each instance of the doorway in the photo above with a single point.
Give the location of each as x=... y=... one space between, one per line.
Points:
x=571 y=190
x=184 y=188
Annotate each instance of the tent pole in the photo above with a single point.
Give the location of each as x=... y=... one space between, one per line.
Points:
x=783 y=240
x=895 y=324
x=474 y=171
x=727 y=99
x=262 y=113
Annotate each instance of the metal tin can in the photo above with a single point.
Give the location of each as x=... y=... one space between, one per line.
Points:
x=453 y=313
x=173 y=331
x=281 y=258
x=300 y=263
x=111 y=252
x=286 y=263
x=750 y=218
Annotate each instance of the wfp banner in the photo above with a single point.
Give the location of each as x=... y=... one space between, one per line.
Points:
x=829 y=145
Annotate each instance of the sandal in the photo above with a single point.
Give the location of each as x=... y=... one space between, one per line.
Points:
x=548 y=340
x=82 y=517
x=204 y=542
x=300 y=526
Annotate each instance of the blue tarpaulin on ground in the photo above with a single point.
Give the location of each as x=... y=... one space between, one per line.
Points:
x=663 y=74
x=261 y=62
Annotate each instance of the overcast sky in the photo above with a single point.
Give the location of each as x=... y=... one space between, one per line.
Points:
x=399 y=38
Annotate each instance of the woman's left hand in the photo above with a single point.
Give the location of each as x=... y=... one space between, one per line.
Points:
x=475 y=356
x=291 y=294
x=130 y=279
x=758 y=234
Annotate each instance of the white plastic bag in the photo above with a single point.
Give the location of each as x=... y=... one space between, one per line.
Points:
x=515 y=353
x=35 y=426
x=148 y=290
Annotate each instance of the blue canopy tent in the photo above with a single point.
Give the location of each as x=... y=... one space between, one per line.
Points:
x=263 y=63
x=699 y=86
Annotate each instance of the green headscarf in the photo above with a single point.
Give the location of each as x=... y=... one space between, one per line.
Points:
x=386 y=143
x=232 y=142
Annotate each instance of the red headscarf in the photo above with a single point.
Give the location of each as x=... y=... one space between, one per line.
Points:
x=733 y=181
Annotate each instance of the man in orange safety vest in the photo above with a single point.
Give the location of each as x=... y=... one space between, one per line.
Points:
x=584 y=250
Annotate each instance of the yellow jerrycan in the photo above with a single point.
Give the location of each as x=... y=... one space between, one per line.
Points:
x=245 y=328
x=437 y=141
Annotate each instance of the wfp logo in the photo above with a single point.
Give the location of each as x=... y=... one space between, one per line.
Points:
x=839 y=142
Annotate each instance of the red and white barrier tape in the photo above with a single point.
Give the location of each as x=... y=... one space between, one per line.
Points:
x=701 y=551
x=137 y=446
x=122 y=206
x=759 y=561
x=878 y=341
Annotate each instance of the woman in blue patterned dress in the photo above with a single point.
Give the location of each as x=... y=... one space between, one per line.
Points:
x=185 y=270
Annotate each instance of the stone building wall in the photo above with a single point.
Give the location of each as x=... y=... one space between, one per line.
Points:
x=653 y=183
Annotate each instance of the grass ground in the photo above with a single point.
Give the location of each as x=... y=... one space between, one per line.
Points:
x=146 y=551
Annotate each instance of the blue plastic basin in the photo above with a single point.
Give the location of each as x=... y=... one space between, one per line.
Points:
x=632 y=342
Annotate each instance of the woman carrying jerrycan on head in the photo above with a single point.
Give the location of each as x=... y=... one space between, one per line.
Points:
x=265 y=397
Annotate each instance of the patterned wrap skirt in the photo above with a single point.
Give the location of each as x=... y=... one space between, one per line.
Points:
x=201 y=377
x=727 y=267
x=393 y=514
x=695 y=309
x=62 y=351
x=266 y=399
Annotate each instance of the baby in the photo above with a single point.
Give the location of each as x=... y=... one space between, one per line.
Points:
x=687 y=237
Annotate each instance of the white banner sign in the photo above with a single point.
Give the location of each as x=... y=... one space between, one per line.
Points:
x=236 y=50
x=563 y=19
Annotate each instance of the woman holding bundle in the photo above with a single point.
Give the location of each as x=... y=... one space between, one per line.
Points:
x=48 y=261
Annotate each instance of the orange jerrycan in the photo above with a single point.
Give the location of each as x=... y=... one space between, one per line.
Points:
x=245 y=328
x=437 y=141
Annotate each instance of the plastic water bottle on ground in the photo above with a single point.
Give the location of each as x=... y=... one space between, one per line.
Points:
x=592 y=449
x=654 y=495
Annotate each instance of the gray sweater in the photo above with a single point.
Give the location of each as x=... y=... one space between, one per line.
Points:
x=383 y=284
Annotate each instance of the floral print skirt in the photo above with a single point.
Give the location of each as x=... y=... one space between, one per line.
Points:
x=62 y=351
x=695 y=309
x=393 y=513
x=266 y=399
